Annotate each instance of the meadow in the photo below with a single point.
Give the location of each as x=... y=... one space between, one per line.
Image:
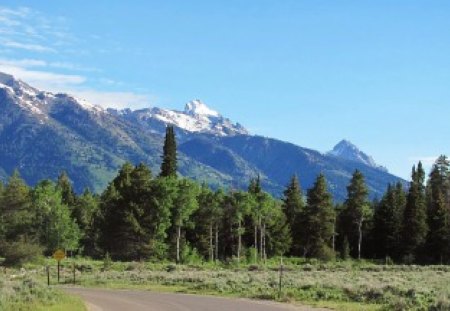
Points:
x=346 y=285
x=25 y=291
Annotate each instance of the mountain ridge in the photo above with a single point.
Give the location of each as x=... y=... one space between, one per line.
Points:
x=42 y=133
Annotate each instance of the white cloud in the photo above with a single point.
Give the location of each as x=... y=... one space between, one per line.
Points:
x=27 y=46
x=25 y=63
x=32 y=32
x=26 y=29
x=72 y=84
x=45 y=80
x=117 y=100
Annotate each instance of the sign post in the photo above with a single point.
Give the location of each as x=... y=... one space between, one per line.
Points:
x=59 y=255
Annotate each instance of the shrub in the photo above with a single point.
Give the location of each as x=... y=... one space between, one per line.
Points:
x=19 y=252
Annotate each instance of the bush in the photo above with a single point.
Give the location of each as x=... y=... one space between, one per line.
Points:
x=19 y=252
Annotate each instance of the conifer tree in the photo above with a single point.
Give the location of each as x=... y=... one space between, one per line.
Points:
x=123 y=205
x=65 y=186
x=356 y=212
x=293 y=206
x=158 y=216
x=15 y=207
x=388 y=222
x=438 y=191
x=169 y=158
x=415 y=228
x=255 y=185
x=85 y=214
x=318 y=221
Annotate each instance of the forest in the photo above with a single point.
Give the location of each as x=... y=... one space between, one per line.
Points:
x=142 y=216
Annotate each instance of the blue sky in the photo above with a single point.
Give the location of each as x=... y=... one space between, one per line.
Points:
x=309 y=72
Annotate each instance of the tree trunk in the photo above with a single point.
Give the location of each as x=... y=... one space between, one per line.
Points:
x=256 y=243
x=217 y=242
x=239 y=243
x=264 y=243
x=178 y=243
x=360 y=237
x=334 y=234
x=261 y=241
x=211 y=250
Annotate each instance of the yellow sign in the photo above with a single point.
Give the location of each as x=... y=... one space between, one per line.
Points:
x=59 y=255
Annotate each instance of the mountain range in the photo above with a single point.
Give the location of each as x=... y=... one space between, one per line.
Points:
x=43 y=133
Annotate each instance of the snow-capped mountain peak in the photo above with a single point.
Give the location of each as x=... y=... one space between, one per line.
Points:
x=39 y=102
x=347 y=150
x=195 y=118
x=197 y=107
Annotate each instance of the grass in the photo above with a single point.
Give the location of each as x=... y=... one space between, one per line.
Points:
x=338 y=285
x=24 y=293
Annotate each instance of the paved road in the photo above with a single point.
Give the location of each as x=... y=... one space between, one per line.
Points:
x=127 y=300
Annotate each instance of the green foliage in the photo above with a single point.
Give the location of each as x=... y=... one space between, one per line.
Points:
x=438 y=199
x=293 y=206
x=414 y=226
x=15 y=207
x=356 y=213
x=55 y=228
x=19 y=251
x=169 y=158
x=388 y=222
x=318 y=221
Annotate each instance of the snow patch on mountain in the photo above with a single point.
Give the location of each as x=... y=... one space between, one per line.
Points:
x=36 y=101
x=197 y=107
x=197 y=117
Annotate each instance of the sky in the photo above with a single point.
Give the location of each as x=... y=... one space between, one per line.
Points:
x=309 y=72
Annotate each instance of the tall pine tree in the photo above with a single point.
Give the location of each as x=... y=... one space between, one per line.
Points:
x=169 y=158
x=438 y=188
x=415 y=228
x=293 y=206
x=318 y=221
x=356 y=212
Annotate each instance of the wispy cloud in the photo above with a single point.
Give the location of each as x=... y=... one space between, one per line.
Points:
x=27 y=46
x=31 y=32
x=26 y=29
x=29 y=70
x=42 y=79
x=117 y=100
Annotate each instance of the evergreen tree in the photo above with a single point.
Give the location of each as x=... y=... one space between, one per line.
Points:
x=388 y=222
x=438 y=191
x=169 y=158
x=415 y=228
x=277 y=237
x=65 y=187
x=293 y=206
x=124 y=235
x=255 y=185
x=318 y=221
x=85 y=213
x=158 y=216
x=15 y=208
x=356 y=212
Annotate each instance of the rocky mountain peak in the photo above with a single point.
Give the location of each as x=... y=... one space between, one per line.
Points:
x=197 y=107
x=345 y=149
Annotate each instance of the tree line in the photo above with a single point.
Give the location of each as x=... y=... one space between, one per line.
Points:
x=140 y=216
